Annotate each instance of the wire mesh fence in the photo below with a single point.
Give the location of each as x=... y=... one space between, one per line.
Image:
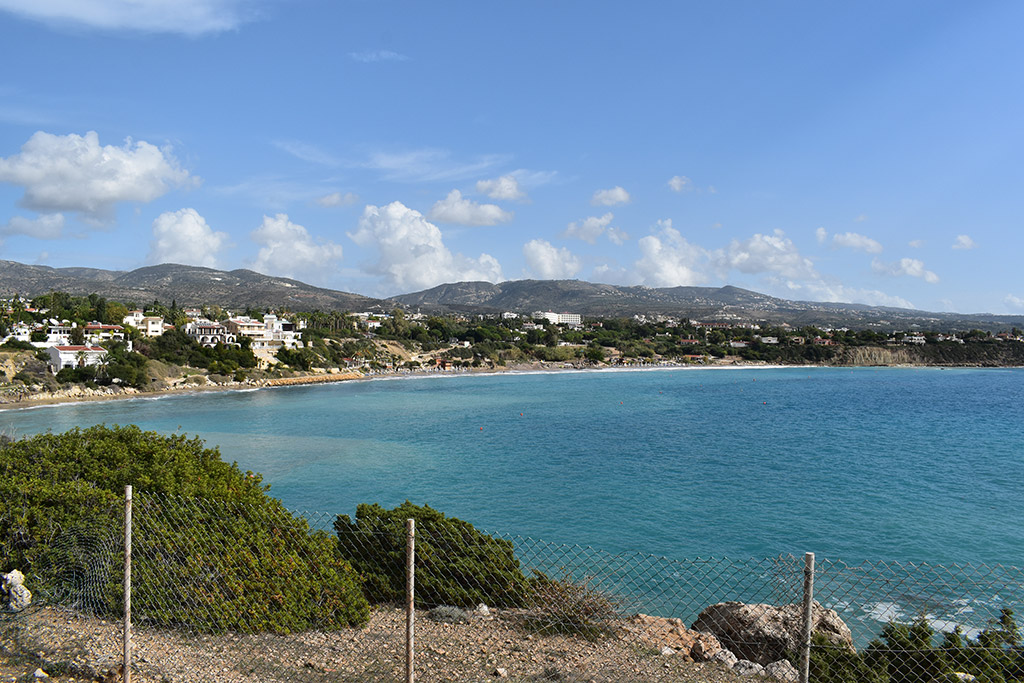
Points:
x=256 y=593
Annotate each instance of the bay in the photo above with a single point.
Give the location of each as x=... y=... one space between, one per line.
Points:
x=908 y=464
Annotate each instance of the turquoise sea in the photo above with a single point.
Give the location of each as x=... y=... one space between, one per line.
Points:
x=921 y=465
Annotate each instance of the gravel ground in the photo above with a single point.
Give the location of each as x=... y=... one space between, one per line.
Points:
x=72 y=647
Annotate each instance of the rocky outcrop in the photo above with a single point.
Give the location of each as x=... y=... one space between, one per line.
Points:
x=662 y=632
x=767 y=633
x=17 y=596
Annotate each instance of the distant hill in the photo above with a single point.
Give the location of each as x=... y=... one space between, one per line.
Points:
x=236 y=289
x=725 y=304
x=187 y=285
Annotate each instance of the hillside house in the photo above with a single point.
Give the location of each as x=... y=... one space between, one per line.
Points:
x=75 y=357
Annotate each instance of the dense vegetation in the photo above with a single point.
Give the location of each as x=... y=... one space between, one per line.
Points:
x=909 y=653
x=212 y=549
x=455 y=563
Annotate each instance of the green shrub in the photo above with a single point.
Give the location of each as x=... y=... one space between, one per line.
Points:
x=210 y=548
x=907 y=653
x=571 y=607
x=455 y=563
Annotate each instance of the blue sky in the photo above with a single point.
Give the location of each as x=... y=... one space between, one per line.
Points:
x=865 y=152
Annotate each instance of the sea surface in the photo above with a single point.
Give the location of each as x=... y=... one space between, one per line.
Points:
x=895 y=466
x=905 y=464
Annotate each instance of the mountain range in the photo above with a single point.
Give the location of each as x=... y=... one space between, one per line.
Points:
x=238 y=289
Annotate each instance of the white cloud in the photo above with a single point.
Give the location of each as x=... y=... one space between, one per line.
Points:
x=429 y=165
x=372 y=56
x=821 y=291
x=860 y=218
x=189 y=17
x=74 y=173
x=337 y=199
x=617 y=236
x=411 y=252
x=307 y=152
x=184 y=237
x=505 y=187
x=964 y=242
x=849 y=240
x=680 y=183
x=589 y=229
x=915 y=244
x=905 y=266
x=773 y=253
x=290 y=251
x=456 y=209
x=615 y=195
x=1014 y=302
x=852 y=240
x=548 y=262
x=46 y=227
x=668 y=259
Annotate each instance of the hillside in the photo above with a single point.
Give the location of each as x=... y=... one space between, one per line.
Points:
x=727 y=304
x=237 y=289
x=187 y=285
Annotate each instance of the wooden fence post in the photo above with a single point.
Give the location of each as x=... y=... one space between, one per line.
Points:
x=805 y=659
x=126 y=661
x=410 y=598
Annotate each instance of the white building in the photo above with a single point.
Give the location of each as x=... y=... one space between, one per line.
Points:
x=75 y=356
x=148 y=325
x=559 y=318
x=208 y=333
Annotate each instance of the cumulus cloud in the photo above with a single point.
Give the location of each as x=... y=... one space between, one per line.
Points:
x=337 y=199
x=905 y=266
x=189 y=17
x=75 y=173
x=1014 y=302
x=916 y=244
x=669 y=260
x=849 y=240
x=615 y=195
x=773 y=253
x=184 y=237
x=852 y=240
x=617 y=236
x=46 y=227
x=290 y=251
x=964 y=242
x=457 y=209
x=589 y=229
x=822 y=291
x=506 y=187
x=411 y=252
x=547 y=262
x=680 y=183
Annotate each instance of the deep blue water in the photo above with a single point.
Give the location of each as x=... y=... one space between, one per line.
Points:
x=903 y=464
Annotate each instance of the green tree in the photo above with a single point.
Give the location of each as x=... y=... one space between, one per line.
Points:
x=455 y=563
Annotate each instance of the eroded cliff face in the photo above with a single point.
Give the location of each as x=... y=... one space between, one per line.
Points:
x=876 y=355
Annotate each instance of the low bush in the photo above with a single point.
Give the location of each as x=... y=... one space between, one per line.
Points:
x=455 y=563
x=211 y=549
x=571 y=607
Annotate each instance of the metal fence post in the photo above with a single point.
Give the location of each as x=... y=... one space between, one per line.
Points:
x=805 y=659
x=126 y=662
x=410 y=602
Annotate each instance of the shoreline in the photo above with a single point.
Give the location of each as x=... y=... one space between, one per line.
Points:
x=83 y=395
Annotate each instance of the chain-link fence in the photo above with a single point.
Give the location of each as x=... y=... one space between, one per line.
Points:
x=256 y=593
